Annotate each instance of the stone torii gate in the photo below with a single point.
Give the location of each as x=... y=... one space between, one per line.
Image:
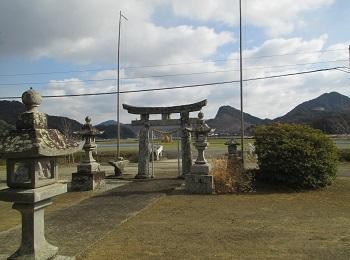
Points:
x=146 y=123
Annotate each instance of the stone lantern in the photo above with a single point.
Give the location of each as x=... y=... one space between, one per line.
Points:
x=234 y=161
x=31 y=152
x=88 y=175
x=199 y=180
x=232 y=147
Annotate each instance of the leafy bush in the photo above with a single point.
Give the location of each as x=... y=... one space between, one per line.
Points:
x=296 y=156
x=344 y=155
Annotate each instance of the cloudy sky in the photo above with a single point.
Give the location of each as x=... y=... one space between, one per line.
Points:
x=69 y=47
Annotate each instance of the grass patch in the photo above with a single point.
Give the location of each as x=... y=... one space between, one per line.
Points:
x=262 y=225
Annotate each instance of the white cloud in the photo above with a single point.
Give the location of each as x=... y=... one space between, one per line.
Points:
x=263 y=98
x=86 y=32
x=277 y=17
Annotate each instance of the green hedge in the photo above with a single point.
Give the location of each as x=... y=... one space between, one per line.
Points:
x=296 y=156
x=344 y=155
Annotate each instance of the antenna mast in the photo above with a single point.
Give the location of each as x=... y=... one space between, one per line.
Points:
x=241 y=78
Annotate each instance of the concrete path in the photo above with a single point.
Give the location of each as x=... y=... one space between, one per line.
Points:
x=76 y=228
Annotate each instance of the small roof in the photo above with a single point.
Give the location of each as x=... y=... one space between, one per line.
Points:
x=37 y=143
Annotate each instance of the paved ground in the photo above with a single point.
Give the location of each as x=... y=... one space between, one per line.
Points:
x=79 y=226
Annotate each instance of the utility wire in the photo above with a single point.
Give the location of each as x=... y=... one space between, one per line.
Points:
x=184 y=86
x=162 y=65
x=167 y=75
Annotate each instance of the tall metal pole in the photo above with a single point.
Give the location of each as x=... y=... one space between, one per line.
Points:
x=349 y=55
x=241 y=78
x=118 y=87
x=118 y=84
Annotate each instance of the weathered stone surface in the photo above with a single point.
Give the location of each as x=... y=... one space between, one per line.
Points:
x=34 y=245
x=32 y=195
x=88 y=181
x=185 y=144
x=200 y=181
x=184 y=123
x=31 y=152
x=144 y=156
x=88 y=175
x=31 y=173
x=31 y=203
x=200 y=169
x=88 y=167
x=199 y=184
x=165 y=110
x=232 y=147
x=119 y=166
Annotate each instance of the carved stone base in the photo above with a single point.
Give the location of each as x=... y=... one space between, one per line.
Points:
x=88 y=167
x=199 y=184
x=201 y=169
x=82 y=181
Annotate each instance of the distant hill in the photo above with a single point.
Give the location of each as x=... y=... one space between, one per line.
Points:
x=107 y=123
x=111 y=131
x=329 y=112
x=228 y=121
x=9 y=111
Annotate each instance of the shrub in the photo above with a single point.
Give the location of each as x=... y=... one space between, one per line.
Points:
x=231 y=180
x=344 y=155
x=296 y=156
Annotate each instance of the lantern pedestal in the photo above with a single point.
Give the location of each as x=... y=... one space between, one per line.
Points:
x=199 y=184
x=32 y=203
x=199 y=181
x=85 y=181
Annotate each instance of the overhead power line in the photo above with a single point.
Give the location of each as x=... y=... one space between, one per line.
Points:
x=168 y=75
x=162 y=65
x=183 y=86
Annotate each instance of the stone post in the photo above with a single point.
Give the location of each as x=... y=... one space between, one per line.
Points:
x=33 y=238
x=185 y=144
x=144 y=156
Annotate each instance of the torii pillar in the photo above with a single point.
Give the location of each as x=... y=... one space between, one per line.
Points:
x=143 y=160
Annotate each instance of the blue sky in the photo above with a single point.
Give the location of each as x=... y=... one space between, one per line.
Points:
x=59 y=36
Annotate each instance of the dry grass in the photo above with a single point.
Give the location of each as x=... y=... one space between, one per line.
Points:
x=231 y=178
x=224 y=181
x=307 y=225
x=10 y=218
